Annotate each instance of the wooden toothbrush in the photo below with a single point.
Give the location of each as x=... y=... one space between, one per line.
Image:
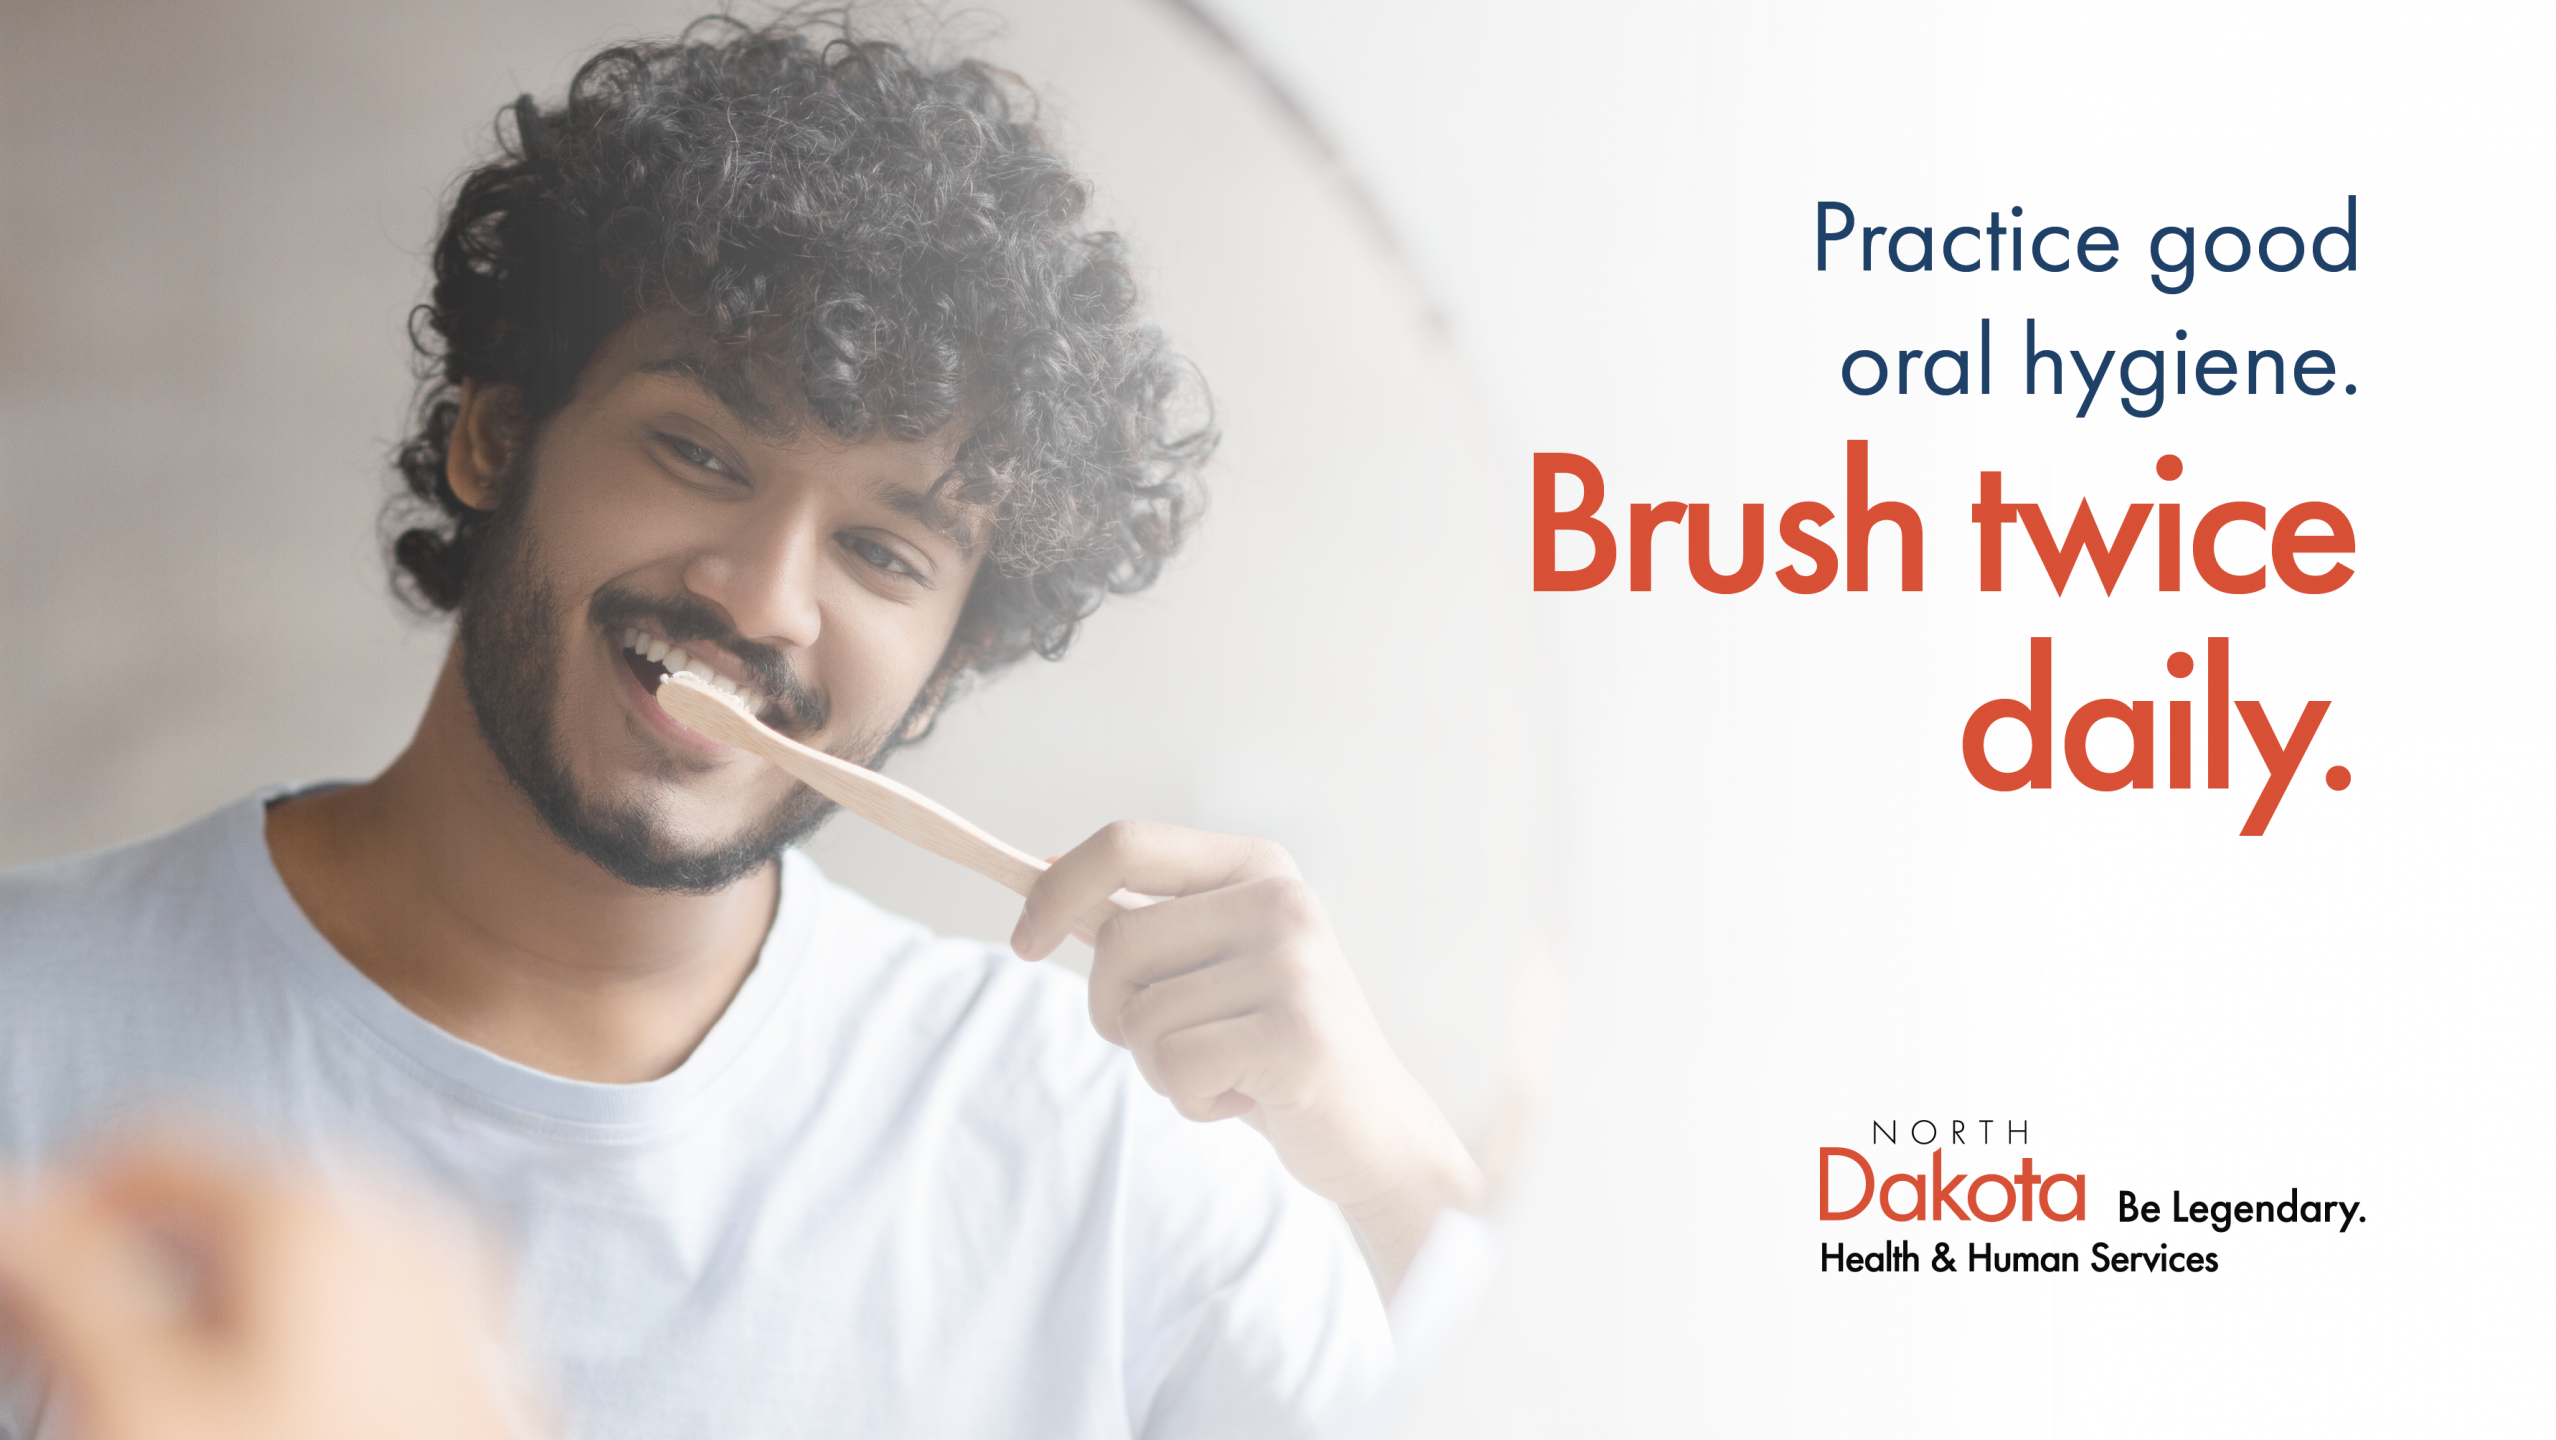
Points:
x=905 y=813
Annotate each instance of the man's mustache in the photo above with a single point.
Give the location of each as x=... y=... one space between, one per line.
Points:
x=796 y=706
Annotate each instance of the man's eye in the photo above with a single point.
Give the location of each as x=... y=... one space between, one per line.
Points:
x=873 y=553
x=692 y=454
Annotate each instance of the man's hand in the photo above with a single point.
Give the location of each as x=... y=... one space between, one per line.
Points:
x=1236 y=1001
x=177 y=1296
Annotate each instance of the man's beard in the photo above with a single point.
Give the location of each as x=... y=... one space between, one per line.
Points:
x=511 y=660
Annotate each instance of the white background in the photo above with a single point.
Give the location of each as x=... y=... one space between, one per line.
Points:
x=1794 y=914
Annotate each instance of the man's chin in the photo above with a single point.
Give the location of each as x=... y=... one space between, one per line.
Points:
x=654 y=843
x=649 y=833
x=636 y=850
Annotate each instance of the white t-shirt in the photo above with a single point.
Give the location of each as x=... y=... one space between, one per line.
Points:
x=902 y=1188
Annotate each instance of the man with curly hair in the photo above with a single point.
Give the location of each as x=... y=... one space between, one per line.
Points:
x=779 y=356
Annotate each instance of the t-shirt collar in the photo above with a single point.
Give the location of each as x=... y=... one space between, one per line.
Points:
x=488 y=1081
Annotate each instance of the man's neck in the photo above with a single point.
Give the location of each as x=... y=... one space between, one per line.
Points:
x=439 y=881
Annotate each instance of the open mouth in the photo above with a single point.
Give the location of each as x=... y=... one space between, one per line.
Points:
x=652 y=658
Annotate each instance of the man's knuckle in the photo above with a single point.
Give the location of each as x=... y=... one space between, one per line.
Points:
x=1177 y=1051
x=1136 y=1013
x=1108 y=1006
x=1290 y=903
x=1292 y=1023
x=1151 y=1070
x=1183 y=1088
x=1260 y=859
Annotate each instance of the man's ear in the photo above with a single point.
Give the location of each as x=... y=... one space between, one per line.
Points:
x=482 y=450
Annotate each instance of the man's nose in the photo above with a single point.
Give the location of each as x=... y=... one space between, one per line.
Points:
x=764 y=570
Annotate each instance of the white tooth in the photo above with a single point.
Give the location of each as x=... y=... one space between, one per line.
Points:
x=656 y=648
x=675 y=659
x=723 y=684
x=699 y=671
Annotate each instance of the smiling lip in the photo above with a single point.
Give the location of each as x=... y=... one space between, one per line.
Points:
x=642 y=698
x=707 y=659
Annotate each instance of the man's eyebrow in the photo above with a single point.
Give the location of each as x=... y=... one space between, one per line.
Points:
x=694 y=371
x=954 y=521
x=682 y=367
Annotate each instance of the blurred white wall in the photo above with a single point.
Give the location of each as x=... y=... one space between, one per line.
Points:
x=212 y=222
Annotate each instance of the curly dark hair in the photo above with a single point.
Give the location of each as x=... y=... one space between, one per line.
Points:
x=899 y=235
